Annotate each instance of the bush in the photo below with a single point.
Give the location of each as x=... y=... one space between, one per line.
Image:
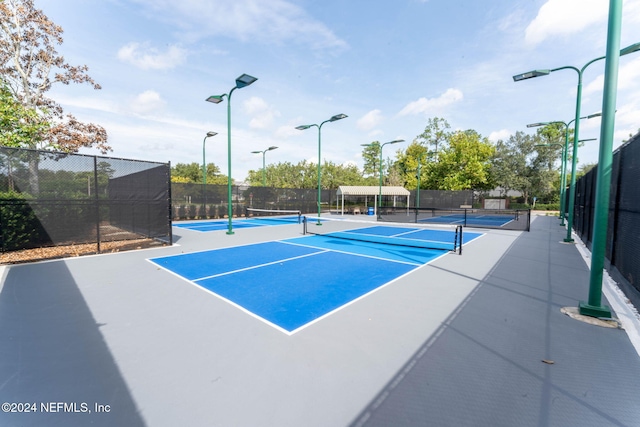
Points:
x=18 y=223
x=547 y=206
x=191 y=212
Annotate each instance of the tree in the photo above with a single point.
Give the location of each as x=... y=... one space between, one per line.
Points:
x=192 y=173
x=305 y=175
x=371 y=157
x=435 y=134
x=28 y=59
x=18 y=125
x=407 y=164
x=521 y=164
x=465 y=164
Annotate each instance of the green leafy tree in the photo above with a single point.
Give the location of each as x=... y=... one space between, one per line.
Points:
x=465 y=164
x=192 y=173
x=18 y=124
x=407 y=164
x=522 y=164
x=305 y=175
x=435 y=135
x=371 y=158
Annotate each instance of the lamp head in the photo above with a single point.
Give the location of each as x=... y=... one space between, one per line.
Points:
x=591 y=116
x=338 y=117
x=535 y=125
x=216 y=99
x=245 y=80
x=211 y=133
x=303 y=127
x=395 y=141
x=530 y=75
x=630 y=49
x=256 y=152
x=273 y=147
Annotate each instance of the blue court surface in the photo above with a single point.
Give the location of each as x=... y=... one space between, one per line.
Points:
x=292 y=283
x=222 y=224
x=471 y=220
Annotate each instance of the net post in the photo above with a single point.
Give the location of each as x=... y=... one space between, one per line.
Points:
x=299 y=217
x=304 y=225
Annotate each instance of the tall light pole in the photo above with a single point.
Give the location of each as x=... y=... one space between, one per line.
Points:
x=580 y=71
x=563 y=166
x=418 y=187
x=380 y=184
x=263 y=162
x=593 y=307
x=242 y=81
x=204 y=170
x=304 y=127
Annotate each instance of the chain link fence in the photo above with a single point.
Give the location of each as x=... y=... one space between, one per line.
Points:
x=55 y=199
x=623 y=233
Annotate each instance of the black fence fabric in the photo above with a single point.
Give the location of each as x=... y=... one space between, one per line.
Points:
x=623 y=229
x=194 y=201
x=52 y=199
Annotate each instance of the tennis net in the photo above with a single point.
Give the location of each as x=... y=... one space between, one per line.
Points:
x=281 y=215
x=507 y=219
x=409 y=235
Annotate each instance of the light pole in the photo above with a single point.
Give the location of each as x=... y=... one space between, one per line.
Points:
x=304 y=127
x=263 y=164
x=580 y=71
x=242 y=81
x=204 y=170
x=418 y=188
x=380 y=184
x=563 y=167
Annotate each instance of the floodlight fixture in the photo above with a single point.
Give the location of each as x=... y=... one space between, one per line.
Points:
x=630 y=49
x=245 y=80
x=530 y=75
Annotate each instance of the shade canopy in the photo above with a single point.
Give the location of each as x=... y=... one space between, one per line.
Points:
x=361 y=190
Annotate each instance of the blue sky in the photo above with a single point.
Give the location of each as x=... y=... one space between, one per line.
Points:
x=388 y=65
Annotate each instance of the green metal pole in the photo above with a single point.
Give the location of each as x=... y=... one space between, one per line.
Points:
x=605 y=159
x=563 y=174
x=380 y=186
x=229 y=200
x=264 y=179
x=574 y=160
x=418 y=190
x=204 y=178
x=319 y=170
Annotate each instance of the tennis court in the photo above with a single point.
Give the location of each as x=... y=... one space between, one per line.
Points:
x=471 y=220
x=287 y=283
x=221 y=224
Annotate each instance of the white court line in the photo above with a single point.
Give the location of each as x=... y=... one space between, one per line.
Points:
x=366 y=256
x=320 y=250
x=627 y=313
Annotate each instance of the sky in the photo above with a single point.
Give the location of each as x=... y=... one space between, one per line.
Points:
x=389 y=66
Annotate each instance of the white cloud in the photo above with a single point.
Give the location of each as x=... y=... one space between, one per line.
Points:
x=263 y=114
x=369 y=120
x=146 y=102
x=432 y=105
x=499 y=134
x=145 y=57
x=627 y=77
x=272 y=21
x=564 y=17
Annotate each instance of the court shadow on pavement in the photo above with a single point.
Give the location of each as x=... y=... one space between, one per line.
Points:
x=507 y=355
x=53 y=354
